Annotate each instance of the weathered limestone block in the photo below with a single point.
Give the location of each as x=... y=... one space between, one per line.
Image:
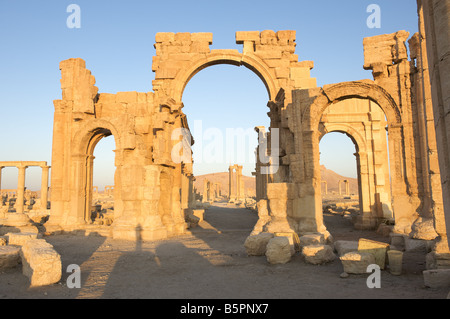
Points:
x=318 y=254
x=345 y=246
x=278 y=250
x=357 y=262
x=312 y=239
x=418 y=244
x=19 y=239
x=9 y=257
x=423 y=228
x=397 y=241
x=385 y=49
x=256 y=245
x=199 y=213
x=263 y=216
x=16 y=220
x=437 y=278
x=437 y=261
x=378 y=249
x=41 y=263
x=192 y=220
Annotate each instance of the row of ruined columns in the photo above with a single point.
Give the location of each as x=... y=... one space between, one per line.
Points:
x=211 y=191
x=22 y=166
x=347 y=187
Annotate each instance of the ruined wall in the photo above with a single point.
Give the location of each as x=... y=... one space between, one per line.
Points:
x=142 y=132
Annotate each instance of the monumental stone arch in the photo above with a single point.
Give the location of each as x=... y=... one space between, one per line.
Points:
x=153 y=189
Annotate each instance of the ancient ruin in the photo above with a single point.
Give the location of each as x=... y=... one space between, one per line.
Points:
x=236 y=191
x=398 y=122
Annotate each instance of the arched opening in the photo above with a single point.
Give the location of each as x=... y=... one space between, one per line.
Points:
x=364 y=121
x=102 y=210
x=90 y=213
x=223 y=105
x=340 y=180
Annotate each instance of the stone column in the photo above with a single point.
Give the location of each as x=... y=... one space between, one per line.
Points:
x=436 y=31
x=44 y=187
x=325 y=187
x=20 y=189
x=231 y=189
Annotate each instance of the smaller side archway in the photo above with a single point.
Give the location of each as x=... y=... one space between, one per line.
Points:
x=373 y=110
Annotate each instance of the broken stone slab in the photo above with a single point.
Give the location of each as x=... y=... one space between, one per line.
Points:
x=437 y=278
x=9 y=257
x=278 y=250
x=345 y=246
x=41 y=263
x=318 y=254
x=356 y=262
x=19 y=239
x=378 y=249
x=255 y=245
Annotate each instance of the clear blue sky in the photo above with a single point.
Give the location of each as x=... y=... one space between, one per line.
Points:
x=116 y=40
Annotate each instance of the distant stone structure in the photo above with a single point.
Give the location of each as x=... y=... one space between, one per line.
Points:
x=236 y=186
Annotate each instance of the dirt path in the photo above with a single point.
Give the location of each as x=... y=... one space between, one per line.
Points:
x=211 y=262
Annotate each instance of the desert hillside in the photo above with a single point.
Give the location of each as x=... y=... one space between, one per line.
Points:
x=329 y=176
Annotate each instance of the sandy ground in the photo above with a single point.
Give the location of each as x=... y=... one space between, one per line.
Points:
x=211 y=262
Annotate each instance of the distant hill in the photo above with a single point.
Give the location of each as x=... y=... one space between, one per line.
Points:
x=331 y=177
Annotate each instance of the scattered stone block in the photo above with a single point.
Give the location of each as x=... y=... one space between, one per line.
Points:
x=318 y=254
x=423 y=228
x=41 y=263
x=199 y=213
x=397 y=241
x=311 y=239
x=345 y=246
x=278 y=250
x=19 y=239
x=192 y=220
x=418 y=244
x=293 y=240
x=437 y=278
x=357 y=262
x=256 y=245
x=378 y=249
x=9 y=257
x=384 y=230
